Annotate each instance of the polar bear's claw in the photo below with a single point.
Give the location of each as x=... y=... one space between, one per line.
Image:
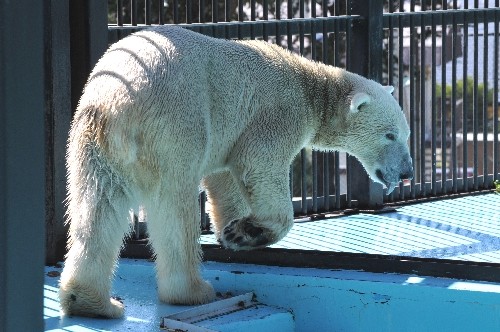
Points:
x=242 y=234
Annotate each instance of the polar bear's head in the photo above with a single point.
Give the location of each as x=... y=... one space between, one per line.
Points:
x=371 y=126
x=379 y=136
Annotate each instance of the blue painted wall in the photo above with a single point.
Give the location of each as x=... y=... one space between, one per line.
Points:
x=358 y=301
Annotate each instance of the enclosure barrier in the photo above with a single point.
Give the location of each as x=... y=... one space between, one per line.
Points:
x=441 y=58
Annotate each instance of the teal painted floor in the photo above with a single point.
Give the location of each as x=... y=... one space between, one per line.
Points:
x=466 y=228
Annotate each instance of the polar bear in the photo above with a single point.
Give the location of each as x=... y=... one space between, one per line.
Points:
x=166 y=109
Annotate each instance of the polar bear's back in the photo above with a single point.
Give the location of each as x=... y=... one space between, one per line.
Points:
x=178 y=55
x=167 y=82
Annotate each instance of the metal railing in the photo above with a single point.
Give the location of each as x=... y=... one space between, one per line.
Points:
x=449 y=91
x=442 y=59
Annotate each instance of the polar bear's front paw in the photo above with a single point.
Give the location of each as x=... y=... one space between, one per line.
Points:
x=242 y=234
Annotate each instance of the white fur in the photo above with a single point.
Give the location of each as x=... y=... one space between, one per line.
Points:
x=166 y=109
x=389 y=88
x=359 y=99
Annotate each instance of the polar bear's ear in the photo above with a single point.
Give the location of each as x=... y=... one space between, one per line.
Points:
x=389 y=88
x=358 y=100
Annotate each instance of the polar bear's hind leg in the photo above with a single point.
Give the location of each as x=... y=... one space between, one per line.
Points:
x=174 y=231
x=98 y=211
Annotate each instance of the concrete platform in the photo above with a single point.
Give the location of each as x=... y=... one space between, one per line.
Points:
x=318 y=300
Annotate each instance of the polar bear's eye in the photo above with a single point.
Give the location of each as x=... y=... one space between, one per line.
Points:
x=390 y=136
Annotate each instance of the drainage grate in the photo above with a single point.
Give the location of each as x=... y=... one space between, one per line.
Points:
x=186 y=321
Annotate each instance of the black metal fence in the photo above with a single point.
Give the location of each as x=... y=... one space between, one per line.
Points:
x=445 y=66
x=441 y=56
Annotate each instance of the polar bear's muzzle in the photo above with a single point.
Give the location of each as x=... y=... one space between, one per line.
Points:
x=391 y=176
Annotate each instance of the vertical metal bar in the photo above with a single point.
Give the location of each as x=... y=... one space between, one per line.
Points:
x=119 y=13
x=92 y=36
x=205 y=224
x=289 y=36
x=215 y=11
x=390 y=71
x=342 y=7
x=421 y=132
x=201 y=11
x=348 y=31
x=314 y=156
x=465 y=107
x=303 y=153
x=176 y=11
x=337 y=184
x=303 y=177
x=326 y=155
x=433 y=111
x=348 y=38
x=301 y=37
x=485 y=183
x=443 y=109
x=336 y=62
x=337 y=42
x=227 y=8
x=326 y=181
x=314 y=195
x=412 y=92
x=314 y=31
x=265 y=6
x=324 y=42
x=367 y=34
x=58 y=114
x=278 y=31
x=189 y=11
x=475 y=97
x=454 y=165
x=133 y=12
x=400 y=73
x=135 y=220
x=496 y=148
x=161 y=10
x=147 y=12
x=241 y=15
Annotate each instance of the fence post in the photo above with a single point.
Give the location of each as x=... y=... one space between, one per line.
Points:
x=89 y=40
x=57 y=119
x=74 y=44
x=365 y=59
x=22 y=160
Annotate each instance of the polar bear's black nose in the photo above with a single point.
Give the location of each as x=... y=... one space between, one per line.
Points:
x=406 y=175
x=406 y=169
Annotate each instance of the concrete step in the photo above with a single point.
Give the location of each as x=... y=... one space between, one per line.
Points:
x=240 y=313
